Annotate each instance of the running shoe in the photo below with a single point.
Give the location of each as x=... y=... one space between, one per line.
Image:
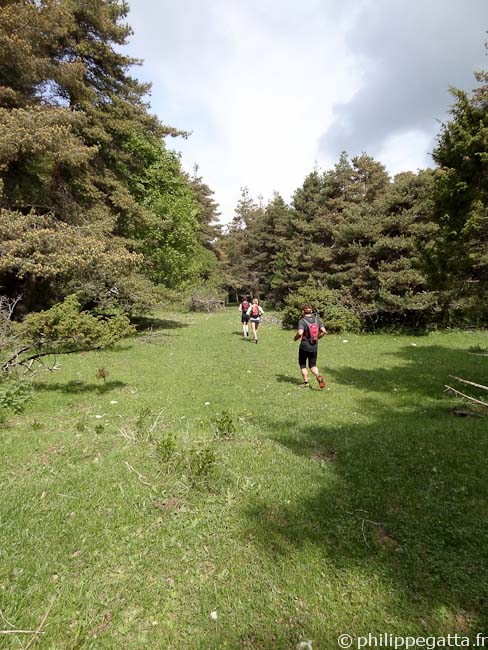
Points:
x=321 y=381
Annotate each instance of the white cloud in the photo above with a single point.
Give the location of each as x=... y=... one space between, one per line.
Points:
x=411 y=52
x=406 y=151
x=256 y=88
x=260 y=82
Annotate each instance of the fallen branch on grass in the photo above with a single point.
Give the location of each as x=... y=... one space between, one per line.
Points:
x=369 y=521
x=206 y=304
x=272 y=319
x=471 y=383
x=41 y=625
x=14 y=358
x=138 y=474
x=63 y=329
x=364 y=521
x=464 y=413
x=20 y=632
x=28 y=362
x=468 y=397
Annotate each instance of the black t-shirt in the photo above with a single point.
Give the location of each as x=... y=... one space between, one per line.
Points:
x=303 y=325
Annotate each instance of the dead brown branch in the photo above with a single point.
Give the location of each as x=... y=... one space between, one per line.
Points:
x=468 y=397
x=20 y=632
x=7 y=306
x=471 y=383
x=13 y=361
x=141 y=478
x=207 y=304
x=28 y=362
x=41 y=625
x=363 y=521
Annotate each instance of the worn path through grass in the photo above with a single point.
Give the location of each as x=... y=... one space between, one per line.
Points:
x=133 y=508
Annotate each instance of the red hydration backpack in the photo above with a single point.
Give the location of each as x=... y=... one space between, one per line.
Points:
x=313 y=331
x=244 y=306
x=255 y=311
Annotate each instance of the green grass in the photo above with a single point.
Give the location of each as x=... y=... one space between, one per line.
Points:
x=360 y=508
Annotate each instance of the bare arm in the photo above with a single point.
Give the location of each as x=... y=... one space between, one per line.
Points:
x=298 y=335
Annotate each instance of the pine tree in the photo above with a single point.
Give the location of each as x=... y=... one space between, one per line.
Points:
x=68 y=110
x=208 y=214
x=334 y=236
x=461 y=268
x=234 y=249
x=400 y=252
x=268 y=238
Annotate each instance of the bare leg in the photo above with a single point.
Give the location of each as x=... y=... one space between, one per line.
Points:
x=304 y=372
x=254 y=331
x=318 y=376
x=315 y=371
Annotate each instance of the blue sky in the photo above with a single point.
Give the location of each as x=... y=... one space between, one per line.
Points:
x=271 y=89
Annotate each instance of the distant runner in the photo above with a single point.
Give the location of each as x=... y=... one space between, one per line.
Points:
x=255 y=312
x=243 y=307
x=310 y=330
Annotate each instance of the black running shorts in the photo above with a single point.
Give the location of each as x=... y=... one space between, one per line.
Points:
x=303 y=355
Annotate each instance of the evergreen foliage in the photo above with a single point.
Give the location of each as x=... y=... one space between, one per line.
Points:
x=461 y=211
x=235 y=249
x=208 y=213
x=93 y=203
x=62 y=329
x=66 y=328
x=91 y=200
x=405 y=252
x=328 y=304
x=350 y=230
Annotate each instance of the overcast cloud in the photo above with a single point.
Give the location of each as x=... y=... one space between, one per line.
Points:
x=269 y=88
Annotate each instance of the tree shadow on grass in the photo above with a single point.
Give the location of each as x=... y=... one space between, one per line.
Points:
x=148 y=324
x=245 y=339
x=402 y=494
x=424 y=489
x=285 y=379
x=424 y=371
x=80 y=387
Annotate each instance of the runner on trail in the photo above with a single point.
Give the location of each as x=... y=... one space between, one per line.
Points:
x=243 y=307
x=310 y=330
x=255 y=312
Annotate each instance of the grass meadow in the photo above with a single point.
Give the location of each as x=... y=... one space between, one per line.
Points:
x=197 y=498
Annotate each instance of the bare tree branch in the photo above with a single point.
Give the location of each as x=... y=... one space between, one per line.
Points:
x=471 y=399
x=471 y=383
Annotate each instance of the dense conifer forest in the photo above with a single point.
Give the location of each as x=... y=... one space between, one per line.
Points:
x=95 y=203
